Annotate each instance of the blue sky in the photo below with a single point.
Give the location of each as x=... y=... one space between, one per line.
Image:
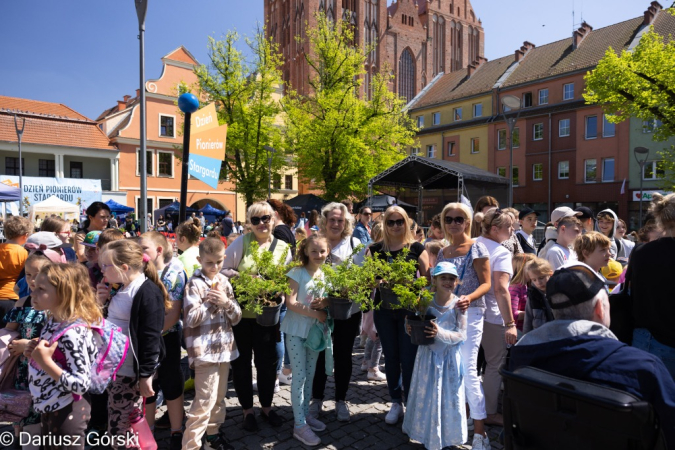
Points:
x=84 y=53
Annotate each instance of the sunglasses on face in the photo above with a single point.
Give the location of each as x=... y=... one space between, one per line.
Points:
x=458 y=220
x=366 y=214
x=263 y=219
x=397 y=223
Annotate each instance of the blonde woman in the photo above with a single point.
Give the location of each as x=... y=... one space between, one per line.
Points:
x=499 y=328
x=399 y=352
x=336 y=225
x=473 y=264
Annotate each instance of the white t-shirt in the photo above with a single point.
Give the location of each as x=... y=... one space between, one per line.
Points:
x=500 y=261
x=558 y=256
x=119 y=313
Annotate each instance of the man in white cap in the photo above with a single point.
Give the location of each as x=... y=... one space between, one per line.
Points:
x=551 y=234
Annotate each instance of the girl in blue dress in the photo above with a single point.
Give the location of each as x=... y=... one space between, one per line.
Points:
x=436 y=414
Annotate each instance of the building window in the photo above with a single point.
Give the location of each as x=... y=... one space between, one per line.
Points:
x=12 y=166
x=527 y=100
x=608 y=169
x=516 y=137
x=451 y=149
x=608 y=128
x=420 y=122
x=538 y=132
x=501 y=171
x=276 y=181
x=457 y=114
x=563 y=170
x=149 y=162
x=653 y=170
x=165 y=164
x=76 y=169
x=591 y=170
x=591 y=127
x=431 y=151
x=475 y=145
x=564 y=127
x=288 y=185
x=166 y=126
x=406 y=75
x=568 y=91
x=436 y=118
x=501 y=139
x=537 y=172
x=649 y=126
x=47 y=168
x=415 y=151
x=543 y=96
x=515 y=176
x=162 y=202
x=478 y=110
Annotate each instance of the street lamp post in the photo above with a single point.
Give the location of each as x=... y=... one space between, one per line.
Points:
x=641 y=155
x=141 y=10
x=513 y=104
x=270 y=154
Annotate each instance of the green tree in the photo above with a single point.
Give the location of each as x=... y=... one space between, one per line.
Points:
x=244 y=92
x=640 y=83
x=339 y=140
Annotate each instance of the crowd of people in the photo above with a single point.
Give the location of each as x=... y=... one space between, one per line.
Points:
x=499 y=297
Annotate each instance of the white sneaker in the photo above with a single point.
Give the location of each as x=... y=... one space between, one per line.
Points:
x=480 y=442
x=315 y=408
x=277 y=388
x=395 y=414
x=376 y=375
x=305 y=435
x=315 y=424
x=255 y=385
x=285 y=379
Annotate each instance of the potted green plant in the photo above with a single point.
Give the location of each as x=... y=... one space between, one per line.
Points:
x=261 y=288
x=416 y=297
x=394 y=272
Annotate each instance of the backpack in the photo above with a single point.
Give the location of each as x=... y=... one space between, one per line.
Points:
x=112 y=345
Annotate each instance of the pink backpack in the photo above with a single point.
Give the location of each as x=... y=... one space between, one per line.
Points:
x=112 y=345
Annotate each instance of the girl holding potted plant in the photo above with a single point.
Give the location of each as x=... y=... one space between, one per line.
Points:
x=305 y=283
x=337 y=224
x=399 y=351
x=248 y=334
x=472 y=261
x=499 y=328
x=437 y=417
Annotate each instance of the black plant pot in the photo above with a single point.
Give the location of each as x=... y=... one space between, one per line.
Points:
x=418 y=335
x=270 y=315
x=389 y=299
x=340 y=308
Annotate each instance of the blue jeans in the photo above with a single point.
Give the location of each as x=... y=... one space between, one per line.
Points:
x=399 y=351
x=644 y=340
x=282 y=354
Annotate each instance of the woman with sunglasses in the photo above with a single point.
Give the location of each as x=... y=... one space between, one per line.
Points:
x=337 y=224
x=473 y=264
x=399 y=351
x=499 y=328
x=251 y=338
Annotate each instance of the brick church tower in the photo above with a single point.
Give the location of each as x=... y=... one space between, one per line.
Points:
x=417 y=39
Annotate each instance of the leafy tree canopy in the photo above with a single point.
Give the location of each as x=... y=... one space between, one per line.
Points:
x=339 y=139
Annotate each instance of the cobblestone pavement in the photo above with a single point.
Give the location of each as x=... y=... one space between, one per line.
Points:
x=368 y=403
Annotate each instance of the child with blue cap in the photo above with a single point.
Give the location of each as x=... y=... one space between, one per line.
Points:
x=436 y=415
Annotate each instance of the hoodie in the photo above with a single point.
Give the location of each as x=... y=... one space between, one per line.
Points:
x=550 y=238
x=615 y=248
x=588 y=351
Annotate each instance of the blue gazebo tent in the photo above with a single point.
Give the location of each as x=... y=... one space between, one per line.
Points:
x=170 y=212
x=212 y=213
x=9 y=193
x=118 y=208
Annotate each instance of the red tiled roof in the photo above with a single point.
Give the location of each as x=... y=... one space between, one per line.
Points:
x=39 y=107
x=50 y=124
x=456 y=85
x=560 y=57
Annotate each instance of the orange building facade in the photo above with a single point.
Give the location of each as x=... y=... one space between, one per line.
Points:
x=121 y=124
